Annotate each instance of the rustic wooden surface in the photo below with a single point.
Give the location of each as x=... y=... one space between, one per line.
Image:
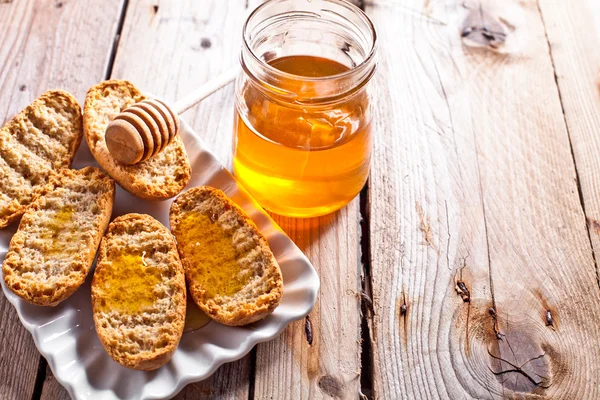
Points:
x=44 y=45
x=482 y=260
x=466 y=269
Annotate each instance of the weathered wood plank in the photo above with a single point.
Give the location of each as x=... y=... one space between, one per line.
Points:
x=52 y=390
x=230 y=382
x=290 y=367
x=170 y=48
x=475 y=218
x=573 y=32
x=44 y=45
x=208 y=40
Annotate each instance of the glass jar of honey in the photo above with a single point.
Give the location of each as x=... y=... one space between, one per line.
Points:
x=302 y=132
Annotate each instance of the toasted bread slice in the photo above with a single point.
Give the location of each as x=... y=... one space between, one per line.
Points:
x=161 y=176
x=50 y=255
x=232 y=274
x=41 y=138
x=138 y=292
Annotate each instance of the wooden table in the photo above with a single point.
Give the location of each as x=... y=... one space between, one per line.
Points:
x=465 y=269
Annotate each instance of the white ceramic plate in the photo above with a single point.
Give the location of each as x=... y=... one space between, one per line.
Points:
x=66 y=337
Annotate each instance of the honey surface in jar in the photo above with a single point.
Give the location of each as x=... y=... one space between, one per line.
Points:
x=299 y=158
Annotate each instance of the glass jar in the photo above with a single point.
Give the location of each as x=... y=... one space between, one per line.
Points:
x=302 y=132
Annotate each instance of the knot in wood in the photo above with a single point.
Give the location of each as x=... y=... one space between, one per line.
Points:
x=479 y=29
x=519 y=362
x=331 y=386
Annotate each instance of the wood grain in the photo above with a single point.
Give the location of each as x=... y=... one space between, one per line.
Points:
x=323 y=359
x=573 y=32
x=208 y=38
x=52 y=390
x=169 y=49
x=230 y=382
x=477 y=229
x=43 y=45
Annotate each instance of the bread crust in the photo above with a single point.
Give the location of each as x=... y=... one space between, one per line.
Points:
x=161 y=176
x=267 y=282
x=155 y=340
x=43 y=269
x=41 y=138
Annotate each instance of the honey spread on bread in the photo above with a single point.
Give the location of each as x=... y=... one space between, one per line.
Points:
x=231 y=272
x=211 y=249
x=138 y=292
x=53 y=250
x=129 y=283
x=60 y=232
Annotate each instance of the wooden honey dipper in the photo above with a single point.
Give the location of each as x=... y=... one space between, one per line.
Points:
x=147 y=127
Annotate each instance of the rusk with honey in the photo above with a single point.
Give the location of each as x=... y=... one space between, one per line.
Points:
x=52 y=251
x=159 y=177
x=41 y=138
x=138 y=292
x=231 y=272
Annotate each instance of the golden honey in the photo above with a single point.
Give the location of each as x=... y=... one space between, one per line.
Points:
x=302 y=158
x=212 y=255
x=128 y=283
x=60 y=232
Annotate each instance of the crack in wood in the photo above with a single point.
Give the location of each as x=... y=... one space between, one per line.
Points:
x=577 y=174
x=519 y=369
x=424 y=225
x=494 y=315
x=368 y=302
x=449 y=238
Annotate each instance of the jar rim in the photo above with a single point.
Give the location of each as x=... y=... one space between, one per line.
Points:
x=362 y=65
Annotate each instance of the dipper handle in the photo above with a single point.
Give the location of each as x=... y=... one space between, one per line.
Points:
x=206 y=90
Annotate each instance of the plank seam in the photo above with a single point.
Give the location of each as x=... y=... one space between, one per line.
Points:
x=366 y=302
x=115 y=47
x=252 y=374
x=39 y=379
x=578 y=181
